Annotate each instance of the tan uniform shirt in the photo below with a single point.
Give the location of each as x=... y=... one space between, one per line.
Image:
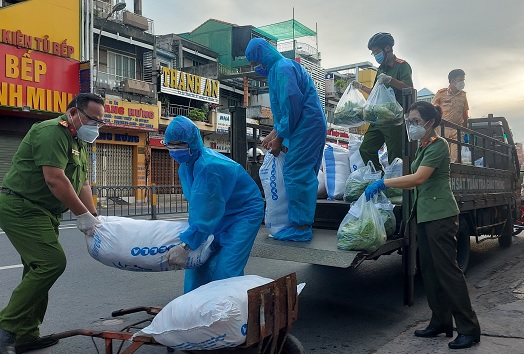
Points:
x=454 y=105
x=454 y=109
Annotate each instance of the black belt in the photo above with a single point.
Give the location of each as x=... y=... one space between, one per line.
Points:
x=8 y=192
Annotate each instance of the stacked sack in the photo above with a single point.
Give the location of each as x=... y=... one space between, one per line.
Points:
x=336 y=168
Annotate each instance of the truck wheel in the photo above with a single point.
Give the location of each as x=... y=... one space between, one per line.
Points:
x=292 y=346
x=463 y=245
x=507 y=233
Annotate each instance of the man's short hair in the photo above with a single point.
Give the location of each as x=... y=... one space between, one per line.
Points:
x=453 y=74
x=82 y=100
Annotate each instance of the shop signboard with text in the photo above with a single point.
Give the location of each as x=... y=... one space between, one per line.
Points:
x=124 y=114
x=37 y=80
x=178 y=83
x=223 y=123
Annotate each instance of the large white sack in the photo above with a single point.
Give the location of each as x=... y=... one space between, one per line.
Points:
x=141 y=245
x=271 y=175
x=355 y=160
x=212 y=316
x=336 y=169
x=321 y=190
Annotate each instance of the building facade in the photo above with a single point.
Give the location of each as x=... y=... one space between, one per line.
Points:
x=39 y=68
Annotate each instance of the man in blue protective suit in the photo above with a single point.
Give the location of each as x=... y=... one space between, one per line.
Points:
x=300 y=125
x=223 y=200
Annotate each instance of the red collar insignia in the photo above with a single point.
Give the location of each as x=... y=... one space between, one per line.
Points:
x=429 y=141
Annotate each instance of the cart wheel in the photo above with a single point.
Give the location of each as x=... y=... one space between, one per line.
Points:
x=292 y=346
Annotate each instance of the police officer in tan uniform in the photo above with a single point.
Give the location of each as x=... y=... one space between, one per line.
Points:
x=47 y=177
x=454 y=104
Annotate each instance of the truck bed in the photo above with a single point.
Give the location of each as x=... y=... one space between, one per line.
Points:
x=322 y=250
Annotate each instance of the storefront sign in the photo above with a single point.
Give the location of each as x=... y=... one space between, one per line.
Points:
x=179 y=83
x=40 y=81
x=129 y=115
x=156 y=139
x=125 y=138
x=85 y=77
x=217 y=143
x=42 y=44
x=223 y=123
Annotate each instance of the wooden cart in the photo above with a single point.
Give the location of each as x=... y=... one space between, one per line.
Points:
x=272 y=309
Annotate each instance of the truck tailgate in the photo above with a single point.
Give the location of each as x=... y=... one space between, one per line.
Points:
x=321 y=250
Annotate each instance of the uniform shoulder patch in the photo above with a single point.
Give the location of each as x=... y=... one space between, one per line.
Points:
x=398 y=60
x=63 y=123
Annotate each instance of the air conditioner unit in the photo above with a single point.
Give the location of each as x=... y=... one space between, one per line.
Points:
x=134 y=20
x=138 y=87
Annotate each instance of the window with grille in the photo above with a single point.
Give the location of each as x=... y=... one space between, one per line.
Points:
x=120 y=67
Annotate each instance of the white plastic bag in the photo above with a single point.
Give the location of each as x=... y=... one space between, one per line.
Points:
x=212 y=316
x=349 y=110
x=383 y=158
x=382 y=107
x=141 y=245
x=385 y=207
x=392 y=171
x=362 y=229
x=272 y=179
x=358 y=180
x=465 y=153
x=336 y=169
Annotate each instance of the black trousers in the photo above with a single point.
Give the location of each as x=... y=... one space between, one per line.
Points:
x=444 y=282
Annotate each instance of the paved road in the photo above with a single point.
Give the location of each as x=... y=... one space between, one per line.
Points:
x=340 y=310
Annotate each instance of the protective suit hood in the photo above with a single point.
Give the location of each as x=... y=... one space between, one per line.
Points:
x=183 y=129
x=261 y=51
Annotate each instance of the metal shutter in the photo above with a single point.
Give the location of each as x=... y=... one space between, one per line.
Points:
x=9 y=143
x=114 y=165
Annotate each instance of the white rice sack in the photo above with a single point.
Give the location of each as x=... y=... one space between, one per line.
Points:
x=355 y=160
x=141 y=245
x=271 y=175
x=336 y=169
x=321 y=190
x=212 y=316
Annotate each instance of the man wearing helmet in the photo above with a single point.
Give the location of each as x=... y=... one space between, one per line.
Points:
x=392 y=72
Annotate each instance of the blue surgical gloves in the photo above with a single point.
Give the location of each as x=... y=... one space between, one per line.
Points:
x=374 y=188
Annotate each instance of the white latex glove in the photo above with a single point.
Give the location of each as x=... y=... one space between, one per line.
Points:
x=177 y=256
x=86 y=223
x=356 y=84
x=383 y=79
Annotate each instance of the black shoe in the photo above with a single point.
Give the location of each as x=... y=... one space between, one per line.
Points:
x=7 y=342
x=433 y=332
x=39 y=343
x=463 y=341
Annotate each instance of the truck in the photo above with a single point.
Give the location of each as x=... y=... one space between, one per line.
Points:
x=486 y=184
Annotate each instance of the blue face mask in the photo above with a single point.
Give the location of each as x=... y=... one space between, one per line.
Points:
x=260 y=70
x=180 y=155
x=379 y=57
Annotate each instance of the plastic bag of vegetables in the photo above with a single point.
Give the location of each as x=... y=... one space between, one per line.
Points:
x=382 y=107
x=358 y=180
x=385 y=208
x=362 y=228
x=349 y=110
x=393 y=170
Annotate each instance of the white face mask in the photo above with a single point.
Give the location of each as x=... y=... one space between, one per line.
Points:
x=460 y=85
x=87 y=133
x=416 y=132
